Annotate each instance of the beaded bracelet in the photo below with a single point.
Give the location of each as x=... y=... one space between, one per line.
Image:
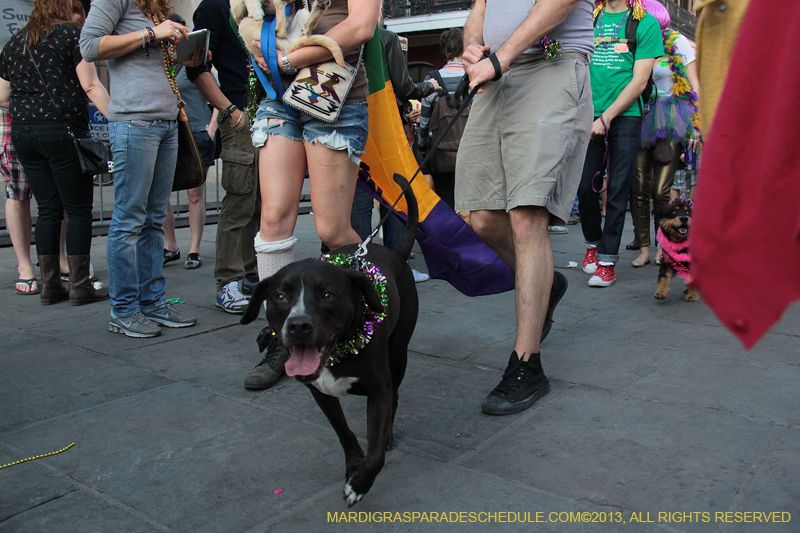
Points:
x=226 y=113
x=152 y=34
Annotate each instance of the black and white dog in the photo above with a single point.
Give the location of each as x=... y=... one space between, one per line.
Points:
x=316 y=307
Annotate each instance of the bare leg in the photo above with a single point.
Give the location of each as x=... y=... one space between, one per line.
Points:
x=197 y=216
x=332 y=177
x=281 y=167
x=170 y=242
x=18 y=220
x=520 y=238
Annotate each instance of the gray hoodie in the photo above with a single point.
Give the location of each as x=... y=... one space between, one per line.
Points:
x=139 y=86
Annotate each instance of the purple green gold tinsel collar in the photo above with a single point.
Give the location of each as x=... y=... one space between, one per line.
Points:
x=361 y=337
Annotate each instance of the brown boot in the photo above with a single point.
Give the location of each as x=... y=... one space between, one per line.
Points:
x=81 y=291
x=52 y=289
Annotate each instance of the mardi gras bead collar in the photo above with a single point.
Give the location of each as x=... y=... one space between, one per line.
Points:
x=354 y=342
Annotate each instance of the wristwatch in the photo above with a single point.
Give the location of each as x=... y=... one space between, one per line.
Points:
x=287 y=67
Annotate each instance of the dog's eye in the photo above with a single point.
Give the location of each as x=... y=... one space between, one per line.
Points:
x=280 y=298
x=328 y=296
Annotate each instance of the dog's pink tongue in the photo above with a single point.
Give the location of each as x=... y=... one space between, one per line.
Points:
x=303 y=361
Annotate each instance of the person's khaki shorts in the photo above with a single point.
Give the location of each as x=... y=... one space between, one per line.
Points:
x=526 y=138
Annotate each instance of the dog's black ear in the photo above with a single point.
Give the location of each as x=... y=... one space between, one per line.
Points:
x=259 y=295
x=363 y=284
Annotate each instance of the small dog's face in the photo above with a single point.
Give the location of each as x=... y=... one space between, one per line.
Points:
x=311 y=306
x=676 y=218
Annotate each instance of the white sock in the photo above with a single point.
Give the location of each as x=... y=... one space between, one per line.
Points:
x=604 y=263
x=273 y=256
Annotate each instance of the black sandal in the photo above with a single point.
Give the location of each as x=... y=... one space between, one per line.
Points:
x=29 y=283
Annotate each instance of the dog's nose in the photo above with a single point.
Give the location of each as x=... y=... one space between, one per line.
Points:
x=684 y=220
x=299 y=325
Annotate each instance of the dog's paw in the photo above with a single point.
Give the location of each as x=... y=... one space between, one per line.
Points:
x=660 y=295
x=254 y=9
x=351 y=497
x=322 y=4
x=692 y=296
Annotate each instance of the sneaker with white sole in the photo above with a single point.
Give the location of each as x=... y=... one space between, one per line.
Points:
x=169 y=316
x=419 y=277
x=522 y=385
x=557 y=229
x=590 y=260
x=604 y=276
x=247 y=287
x=230 y=299
x=137 y=325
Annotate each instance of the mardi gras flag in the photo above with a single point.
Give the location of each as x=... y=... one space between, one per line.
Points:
x=453 y=252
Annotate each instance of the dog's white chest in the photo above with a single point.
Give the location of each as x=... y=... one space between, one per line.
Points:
x=326 y=383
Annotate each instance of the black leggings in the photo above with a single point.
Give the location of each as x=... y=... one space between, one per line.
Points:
x=48 y=156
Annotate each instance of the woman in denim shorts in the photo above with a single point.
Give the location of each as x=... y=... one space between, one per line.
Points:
x=290 y=145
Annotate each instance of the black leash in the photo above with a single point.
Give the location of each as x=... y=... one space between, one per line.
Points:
x=362 y=248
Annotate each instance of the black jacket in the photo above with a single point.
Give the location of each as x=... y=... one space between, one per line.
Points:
x=227 y=54
x=404 y=87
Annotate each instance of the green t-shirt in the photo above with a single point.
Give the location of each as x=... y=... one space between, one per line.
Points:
x=611 y=69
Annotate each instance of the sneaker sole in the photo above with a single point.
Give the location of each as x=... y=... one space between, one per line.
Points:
x=231 y=311
x=113 y=328
x=599 y=283
x=510 y=409
x=168 y=324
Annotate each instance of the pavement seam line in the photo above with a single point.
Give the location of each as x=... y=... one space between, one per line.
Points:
x=309 y=502
x=522 y=420
x=99 y=495
x=750 y=475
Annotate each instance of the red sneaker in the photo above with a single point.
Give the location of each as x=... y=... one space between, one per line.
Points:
x=604 y=276
x=590 y=261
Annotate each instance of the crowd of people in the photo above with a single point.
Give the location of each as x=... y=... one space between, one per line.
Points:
x=518 y=168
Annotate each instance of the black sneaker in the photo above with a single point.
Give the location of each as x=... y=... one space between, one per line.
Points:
x=170 y=256
x=270 y=369
x=557 y=292
x=523 y=383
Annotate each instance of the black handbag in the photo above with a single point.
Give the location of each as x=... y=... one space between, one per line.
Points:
x=189 y=170
x=92 y=154
x=663 y=152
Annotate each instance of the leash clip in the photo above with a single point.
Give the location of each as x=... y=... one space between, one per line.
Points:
x=361 y=251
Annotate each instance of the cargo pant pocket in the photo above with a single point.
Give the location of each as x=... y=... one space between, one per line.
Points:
x=237 y=170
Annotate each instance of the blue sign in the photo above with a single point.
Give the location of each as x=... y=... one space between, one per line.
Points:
x=98 y=123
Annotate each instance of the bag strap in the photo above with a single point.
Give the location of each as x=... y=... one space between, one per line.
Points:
x=435 y=74
x=463 y=88
x=47 y=89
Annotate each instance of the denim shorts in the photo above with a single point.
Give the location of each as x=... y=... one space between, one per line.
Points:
x=349 y=132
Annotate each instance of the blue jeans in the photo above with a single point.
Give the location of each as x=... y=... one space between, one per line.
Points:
x=624 y=137
x=361 y=213
x=145 y=153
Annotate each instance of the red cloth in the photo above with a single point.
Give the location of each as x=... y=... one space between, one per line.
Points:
x=745 y=238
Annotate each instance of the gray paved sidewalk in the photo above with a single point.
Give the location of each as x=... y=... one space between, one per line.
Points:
x=654 y=408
